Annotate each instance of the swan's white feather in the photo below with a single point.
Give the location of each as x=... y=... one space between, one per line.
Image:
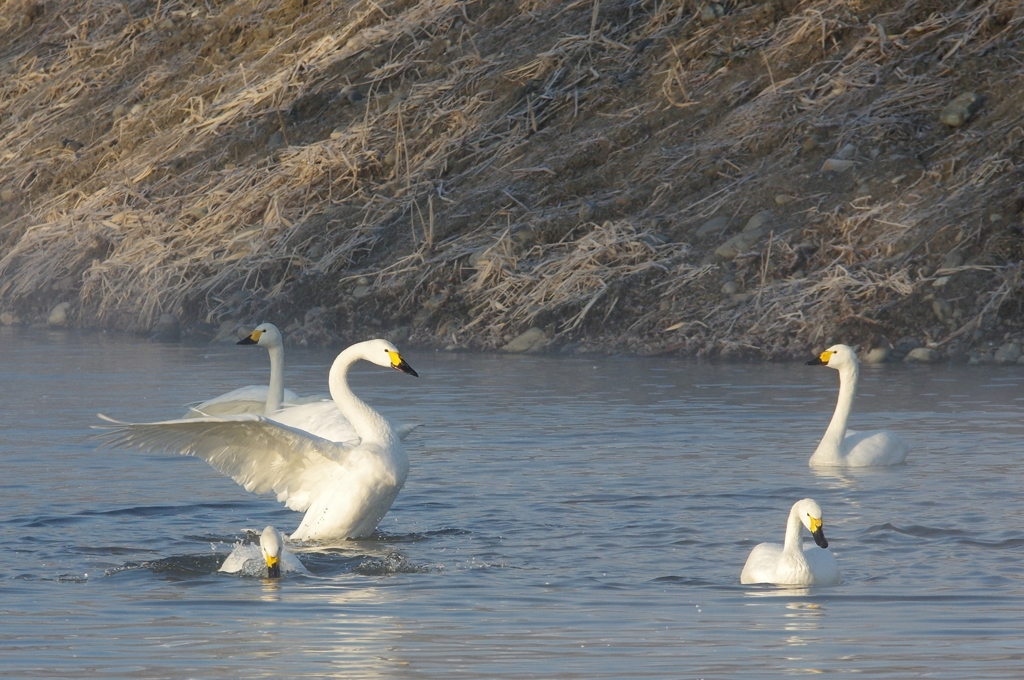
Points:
x=262 y=455
x=842 y=448
x=345 y=490
x=791 y=564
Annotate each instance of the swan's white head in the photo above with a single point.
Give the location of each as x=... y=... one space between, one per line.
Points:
x=809 y=513
x=836 y=356
x=270 y=546
x=383 y=353
x=264 y=335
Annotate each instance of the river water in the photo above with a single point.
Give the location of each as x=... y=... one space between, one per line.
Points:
x=564 y=517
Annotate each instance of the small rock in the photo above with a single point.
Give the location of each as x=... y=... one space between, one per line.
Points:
x=809 y=145
x=714 y=226
x=73 y=144
x=9 y=319
x=940 y=282
x=530 y=341
x=922 y=355
x=166 y=25
x=730 y=288
x=982 y=358
x=836 y=165
x=198 y=212
x=905 y=344
x=361 y=291
x=846 y=153
x=952 y=260
x=276 y=140
x=337 y=133
x=960 y=110
x=351 y=94
x=588 y=211
x=1009 y=353
x=136 y=109
x=943 y=310
x=434 y=302
x=120 y=110
x=995 y=217
x=391 y=157
x=710 y=12
x=740 y=243
x=166 y=329
x=399 y=335
x=876 y=351
x=654 y=239
x=759 y=220
x=479 y=257
x=312 y=314
x=7 y=194
x=59 y=315
x=784 y=199
x=363 y=281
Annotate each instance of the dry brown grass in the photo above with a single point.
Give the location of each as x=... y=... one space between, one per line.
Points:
x=158 y=211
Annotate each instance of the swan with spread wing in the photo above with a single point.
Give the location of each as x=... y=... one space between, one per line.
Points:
x=343 y=489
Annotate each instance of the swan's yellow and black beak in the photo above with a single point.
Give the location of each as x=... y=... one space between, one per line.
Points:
x=820 y=360
x=252 y=338
x=399 y=364
x=273 y=566
x=817 y=532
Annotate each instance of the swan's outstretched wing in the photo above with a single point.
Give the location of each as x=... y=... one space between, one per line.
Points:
x=322 y=418
x=248 y=399
x=258 y=453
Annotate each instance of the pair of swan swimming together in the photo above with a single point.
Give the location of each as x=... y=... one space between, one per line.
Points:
x=339 y=461
x=790 y=563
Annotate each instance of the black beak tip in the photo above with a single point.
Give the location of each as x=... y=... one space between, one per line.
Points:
x=819 y=538
x=246 y=341
x=406 y=368
x=274 y=571
x=813 y=362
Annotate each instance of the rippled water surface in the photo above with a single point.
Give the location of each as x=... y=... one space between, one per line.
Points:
x=564 y=517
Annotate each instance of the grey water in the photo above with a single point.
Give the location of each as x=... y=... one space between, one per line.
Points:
x=564 y=517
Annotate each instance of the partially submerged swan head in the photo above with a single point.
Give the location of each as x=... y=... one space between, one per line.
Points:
x=270 y=546
x=836 y=356
x=809 y=513
x=383 y=353
x=264 y=335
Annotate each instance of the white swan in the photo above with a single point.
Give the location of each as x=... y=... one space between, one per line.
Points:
x=790 y=564
x=271 y=552
x=265 y=399
x=852 y=449
x=344 y=491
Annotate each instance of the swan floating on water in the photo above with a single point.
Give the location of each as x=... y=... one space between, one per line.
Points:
x=263 y=399
x=344 y=490
x=852 y=449
x=789 y=564
x=250 y=559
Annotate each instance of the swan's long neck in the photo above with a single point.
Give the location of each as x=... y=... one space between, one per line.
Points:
x=368 y=424
x=836 y=432
x=275 y=394
x=794 y=543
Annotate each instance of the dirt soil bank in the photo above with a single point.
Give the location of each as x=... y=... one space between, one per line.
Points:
x=717 y=179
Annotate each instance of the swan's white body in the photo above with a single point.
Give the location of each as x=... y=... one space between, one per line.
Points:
x=270 y=554
x=789 y=564
x=839 y=448
x=344 y=490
